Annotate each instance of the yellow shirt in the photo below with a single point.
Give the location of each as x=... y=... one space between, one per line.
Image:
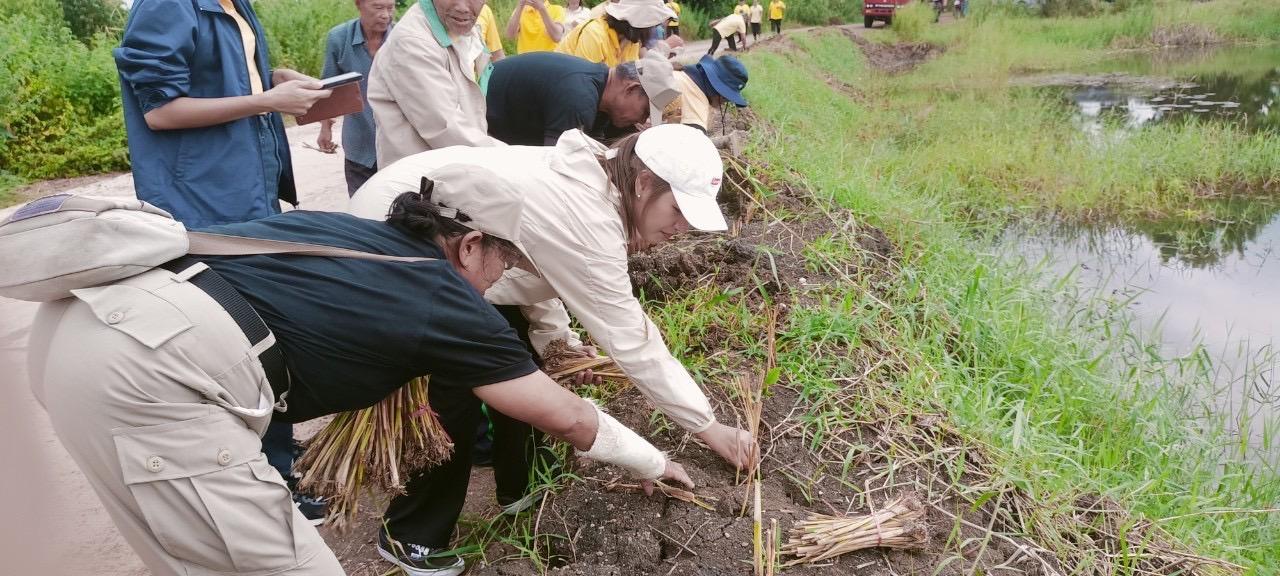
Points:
x=742 y=9
x=489 y=29
x=674 y=8
x=533 y=34
x=594 y=40
x=730 y=25
x=776 y=8
x=250 y=45
x=692 y=107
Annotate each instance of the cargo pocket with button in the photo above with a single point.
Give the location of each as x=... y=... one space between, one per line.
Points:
x=208 y=495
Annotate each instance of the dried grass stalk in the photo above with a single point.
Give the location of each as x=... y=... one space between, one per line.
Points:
x=821 y=537
x=377 y=447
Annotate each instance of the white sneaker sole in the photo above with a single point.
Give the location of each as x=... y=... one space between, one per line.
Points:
x=411 y=571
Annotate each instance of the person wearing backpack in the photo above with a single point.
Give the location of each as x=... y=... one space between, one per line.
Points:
x=160 y=384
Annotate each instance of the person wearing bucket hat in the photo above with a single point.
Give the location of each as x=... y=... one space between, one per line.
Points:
x=706 y=86
x=534 y=98
x=587 y=208
x=161 y=384
x=616 y=35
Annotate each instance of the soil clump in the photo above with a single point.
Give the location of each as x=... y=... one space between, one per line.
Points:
x=894 y=58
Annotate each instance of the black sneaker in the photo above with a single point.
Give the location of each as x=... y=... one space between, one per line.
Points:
x=416 y=559
x=312 y=508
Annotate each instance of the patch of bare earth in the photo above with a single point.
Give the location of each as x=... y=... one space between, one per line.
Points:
x=894 y=58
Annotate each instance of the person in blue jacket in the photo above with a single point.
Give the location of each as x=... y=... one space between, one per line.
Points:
x=202 y=110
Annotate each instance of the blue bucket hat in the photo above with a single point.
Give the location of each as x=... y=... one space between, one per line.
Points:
x=727 y=75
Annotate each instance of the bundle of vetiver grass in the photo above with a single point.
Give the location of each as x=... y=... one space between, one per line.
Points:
x=562 y=364
x=378 y=447
x=821 y=537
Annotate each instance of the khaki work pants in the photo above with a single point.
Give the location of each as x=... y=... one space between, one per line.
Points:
x=161 y=401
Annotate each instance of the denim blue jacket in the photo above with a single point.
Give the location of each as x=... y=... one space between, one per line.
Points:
x=219 y=174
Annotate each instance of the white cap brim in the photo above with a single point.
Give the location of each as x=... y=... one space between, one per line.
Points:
x=703 y=213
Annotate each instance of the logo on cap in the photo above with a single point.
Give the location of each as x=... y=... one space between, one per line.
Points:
x=715 y=181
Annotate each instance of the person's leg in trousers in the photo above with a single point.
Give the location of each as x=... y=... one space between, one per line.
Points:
x=715 y=41
x=357 y=174
x=428 y=510
x=277 y=444
x=733 y=42
x=517 y=447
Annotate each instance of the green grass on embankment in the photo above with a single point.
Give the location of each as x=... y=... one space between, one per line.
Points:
x=1076 y=402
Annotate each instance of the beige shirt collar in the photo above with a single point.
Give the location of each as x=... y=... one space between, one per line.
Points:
x=577 y=157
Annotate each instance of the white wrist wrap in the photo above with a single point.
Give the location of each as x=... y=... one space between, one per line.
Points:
x=618 y=445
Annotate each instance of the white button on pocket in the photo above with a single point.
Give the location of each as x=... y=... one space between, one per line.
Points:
x=155 y=463
x=115 y=317
x=224 y=457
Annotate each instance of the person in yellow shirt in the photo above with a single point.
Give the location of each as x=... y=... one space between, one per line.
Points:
x=733 y=27
x=673 y=25
x=536 y=25
x=742 y=9
x=487 y=24
x=776 y=9
x=617 y=35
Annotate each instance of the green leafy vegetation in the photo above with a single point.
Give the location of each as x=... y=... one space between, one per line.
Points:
x=1066 y=391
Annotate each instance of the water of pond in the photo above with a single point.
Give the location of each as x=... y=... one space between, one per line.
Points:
x=1239 y=85
x=1212 y=286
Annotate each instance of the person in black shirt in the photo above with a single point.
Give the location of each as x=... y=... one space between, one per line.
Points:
x=160 y=389
x=534 y=98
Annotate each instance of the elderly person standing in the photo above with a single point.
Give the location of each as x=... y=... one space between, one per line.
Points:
x=424 y=87
x=351 y=47
x=617 y=35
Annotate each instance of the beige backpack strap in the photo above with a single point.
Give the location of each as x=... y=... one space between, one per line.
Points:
x=206 y=244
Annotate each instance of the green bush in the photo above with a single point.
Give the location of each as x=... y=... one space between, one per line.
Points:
x=296 y=30
x=694 y=23
x=910 y=21
x=821 y=12
x=59 y=101
x=88 y=18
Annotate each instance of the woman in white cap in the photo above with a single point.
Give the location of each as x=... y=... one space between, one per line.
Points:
x=617 y=35
x=587 y=207
x=161 y=384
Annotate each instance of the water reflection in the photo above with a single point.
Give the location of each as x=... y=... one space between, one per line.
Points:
x=1233 y=85
x=1213 y=284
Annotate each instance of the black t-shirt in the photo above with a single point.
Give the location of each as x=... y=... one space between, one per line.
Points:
x=353 y=330
x=533 y=98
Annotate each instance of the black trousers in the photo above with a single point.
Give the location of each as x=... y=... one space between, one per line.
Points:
x=428 y=510
x=755 y=30
x=776 y=25
x=357 y=174
x=715 y=41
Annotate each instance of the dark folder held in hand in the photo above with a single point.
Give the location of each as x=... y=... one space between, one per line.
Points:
x=345 y=99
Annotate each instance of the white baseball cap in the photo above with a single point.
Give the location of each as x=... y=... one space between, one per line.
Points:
x=659 y=82
x=480 y=200
x=687 y=160
x=640 y=13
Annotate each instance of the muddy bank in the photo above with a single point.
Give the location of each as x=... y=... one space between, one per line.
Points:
x=894 y=58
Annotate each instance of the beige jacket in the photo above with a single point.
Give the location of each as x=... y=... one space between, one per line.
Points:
x=575 y=237
x=423 y=89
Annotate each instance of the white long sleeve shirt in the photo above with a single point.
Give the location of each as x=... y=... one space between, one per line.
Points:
x=574 y=234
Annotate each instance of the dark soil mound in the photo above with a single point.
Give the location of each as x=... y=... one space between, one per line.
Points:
x=894 y=58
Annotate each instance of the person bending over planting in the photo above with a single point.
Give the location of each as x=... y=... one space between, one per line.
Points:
x=586 y=208
x=160 y=385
